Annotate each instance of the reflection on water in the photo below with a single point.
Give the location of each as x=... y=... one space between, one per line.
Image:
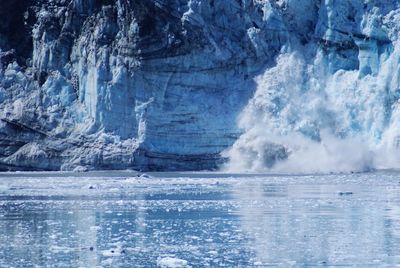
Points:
x=209 y=220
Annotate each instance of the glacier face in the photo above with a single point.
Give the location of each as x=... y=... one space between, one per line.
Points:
x=160 y=84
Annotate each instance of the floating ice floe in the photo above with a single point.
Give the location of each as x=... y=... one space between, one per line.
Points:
x=171 y=262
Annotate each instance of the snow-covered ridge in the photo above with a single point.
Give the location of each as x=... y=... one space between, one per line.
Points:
x=160 y=84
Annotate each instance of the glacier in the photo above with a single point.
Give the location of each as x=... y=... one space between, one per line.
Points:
x=246 y=85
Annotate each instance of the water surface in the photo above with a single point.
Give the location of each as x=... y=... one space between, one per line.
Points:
x=119 y=219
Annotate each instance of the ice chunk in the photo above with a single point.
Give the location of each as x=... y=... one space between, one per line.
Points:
x=171 y=262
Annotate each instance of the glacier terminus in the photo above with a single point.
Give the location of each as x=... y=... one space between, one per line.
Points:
x=257 y=85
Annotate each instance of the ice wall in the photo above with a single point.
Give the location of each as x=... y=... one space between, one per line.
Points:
x=129 y=84
x=160 y=84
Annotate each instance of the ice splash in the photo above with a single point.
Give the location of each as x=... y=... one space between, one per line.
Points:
x=295 y=153
x=304 y=119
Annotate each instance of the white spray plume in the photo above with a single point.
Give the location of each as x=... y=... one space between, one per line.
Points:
x=302 y=119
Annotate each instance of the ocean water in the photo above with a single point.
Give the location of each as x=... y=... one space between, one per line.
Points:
x=124 y=219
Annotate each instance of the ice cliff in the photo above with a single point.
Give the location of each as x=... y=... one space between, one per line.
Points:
x=190 y=84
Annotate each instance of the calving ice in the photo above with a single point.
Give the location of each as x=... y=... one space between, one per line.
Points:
x=324 y=108
x=284 y=116
x=308 y=86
